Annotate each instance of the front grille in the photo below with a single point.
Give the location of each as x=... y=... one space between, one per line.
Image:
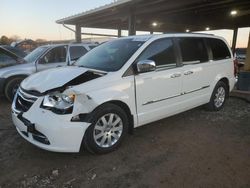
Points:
x=24 y=100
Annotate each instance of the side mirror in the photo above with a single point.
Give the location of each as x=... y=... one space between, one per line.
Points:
x=146 y=66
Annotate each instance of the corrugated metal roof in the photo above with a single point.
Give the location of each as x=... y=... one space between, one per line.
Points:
x=170 y=15
x=111 y=5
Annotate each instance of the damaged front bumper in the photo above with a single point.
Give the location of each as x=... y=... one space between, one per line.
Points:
x=48 y=130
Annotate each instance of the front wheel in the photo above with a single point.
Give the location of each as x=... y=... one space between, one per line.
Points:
x=108 y=127
x=218 y=97
x=11 y=88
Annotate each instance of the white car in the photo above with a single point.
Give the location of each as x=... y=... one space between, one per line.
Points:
x=121 y=85
x=42 y=58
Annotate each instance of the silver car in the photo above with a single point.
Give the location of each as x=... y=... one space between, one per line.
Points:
x=42 y=58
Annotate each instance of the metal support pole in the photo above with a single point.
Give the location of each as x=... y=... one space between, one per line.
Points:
x=119 y=34
x=234 y=39
x=78 y=35
x=131 y=24
x=247 y=63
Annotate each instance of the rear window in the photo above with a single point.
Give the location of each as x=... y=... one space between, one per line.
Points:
x=219 y=49
x=193 y=50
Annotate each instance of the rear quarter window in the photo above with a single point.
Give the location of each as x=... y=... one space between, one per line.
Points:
x=219 y=49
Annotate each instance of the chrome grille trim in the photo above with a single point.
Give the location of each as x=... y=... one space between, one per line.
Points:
x=23 y=101
x=26 y=95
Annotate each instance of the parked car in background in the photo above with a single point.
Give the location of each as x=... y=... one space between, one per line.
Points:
x=8 y=58
x=26 y=45
x=17 y=51
x=240 y=56
x=121 y=85
x=42 y=58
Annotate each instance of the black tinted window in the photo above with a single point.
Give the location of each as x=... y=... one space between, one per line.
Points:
x=56 y=55
x=76 y=52
x=160 y=51
x=219 y=49
x=193 y=50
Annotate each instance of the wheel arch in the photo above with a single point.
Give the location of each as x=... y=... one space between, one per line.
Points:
x=8 y=81
x=225 y=81
x=127 y=110
x=14 y=76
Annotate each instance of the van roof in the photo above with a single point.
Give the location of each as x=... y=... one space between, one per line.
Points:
x=156 y=36
x=70 y=44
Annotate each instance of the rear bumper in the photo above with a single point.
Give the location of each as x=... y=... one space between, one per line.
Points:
x=2 y=82
x=232 y=83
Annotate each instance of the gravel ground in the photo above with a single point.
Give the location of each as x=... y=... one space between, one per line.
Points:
x=193 y=149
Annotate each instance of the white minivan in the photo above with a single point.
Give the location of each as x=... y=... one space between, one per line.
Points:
x=121 y=85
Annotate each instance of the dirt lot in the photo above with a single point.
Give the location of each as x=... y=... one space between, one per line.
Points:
x=193 y=149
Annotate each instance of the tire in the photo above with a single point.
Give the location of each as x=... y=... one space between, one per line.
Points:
x=11 y=88
x=103 y=137
x=219 y=97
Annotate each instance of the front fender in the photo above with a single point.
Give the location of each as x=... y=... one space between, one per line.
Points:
x=123 y=91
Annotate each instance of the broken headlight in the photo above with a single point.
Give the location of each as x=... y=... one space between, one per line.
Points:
x=59 y=103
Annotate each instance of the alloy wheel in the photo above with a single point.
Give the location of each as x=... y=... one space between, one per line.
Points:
x=108 y=130
x=220 y=97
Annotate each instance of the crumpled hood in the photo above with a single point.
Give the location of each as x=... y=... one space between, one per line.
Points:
x=55 y=78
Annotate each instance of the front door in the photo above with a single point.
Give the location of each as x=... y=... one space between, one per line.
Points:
x=157 y=92
x=55 y=57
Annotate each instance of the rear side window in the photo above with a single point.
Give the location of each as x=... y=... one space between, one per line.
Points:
x=76 y=52
x=161 y=52
x=193 y=50
x=219 y=49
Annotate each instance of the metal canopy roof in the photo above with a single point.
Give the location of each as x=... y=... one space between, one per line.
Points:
x=170 y=15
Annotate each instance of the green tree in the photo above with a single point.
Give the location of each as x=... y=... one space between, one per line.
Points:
x=4 y=40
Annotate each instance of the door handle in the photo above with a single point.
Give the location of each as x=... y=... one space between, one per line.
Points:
x=176 y=75
x=188 y=73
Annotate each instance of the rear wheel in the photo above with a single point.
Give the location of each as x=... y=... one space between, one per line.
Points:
x=108 y=128
x=218 y=97
x=11 y=88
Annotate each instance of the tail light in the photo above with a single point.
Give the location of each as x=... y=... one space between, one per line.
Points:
x=235 y=67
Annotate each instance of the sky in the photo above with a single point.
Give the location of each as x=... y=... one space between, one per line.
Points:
x=35 y=19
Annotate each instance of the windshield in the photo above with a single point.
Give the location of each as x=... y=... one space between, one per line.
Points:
x=110 y=56
x=31 y=57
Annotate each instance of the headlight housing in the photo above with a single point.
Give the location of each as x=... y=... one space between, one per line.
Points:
x=59 y=103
